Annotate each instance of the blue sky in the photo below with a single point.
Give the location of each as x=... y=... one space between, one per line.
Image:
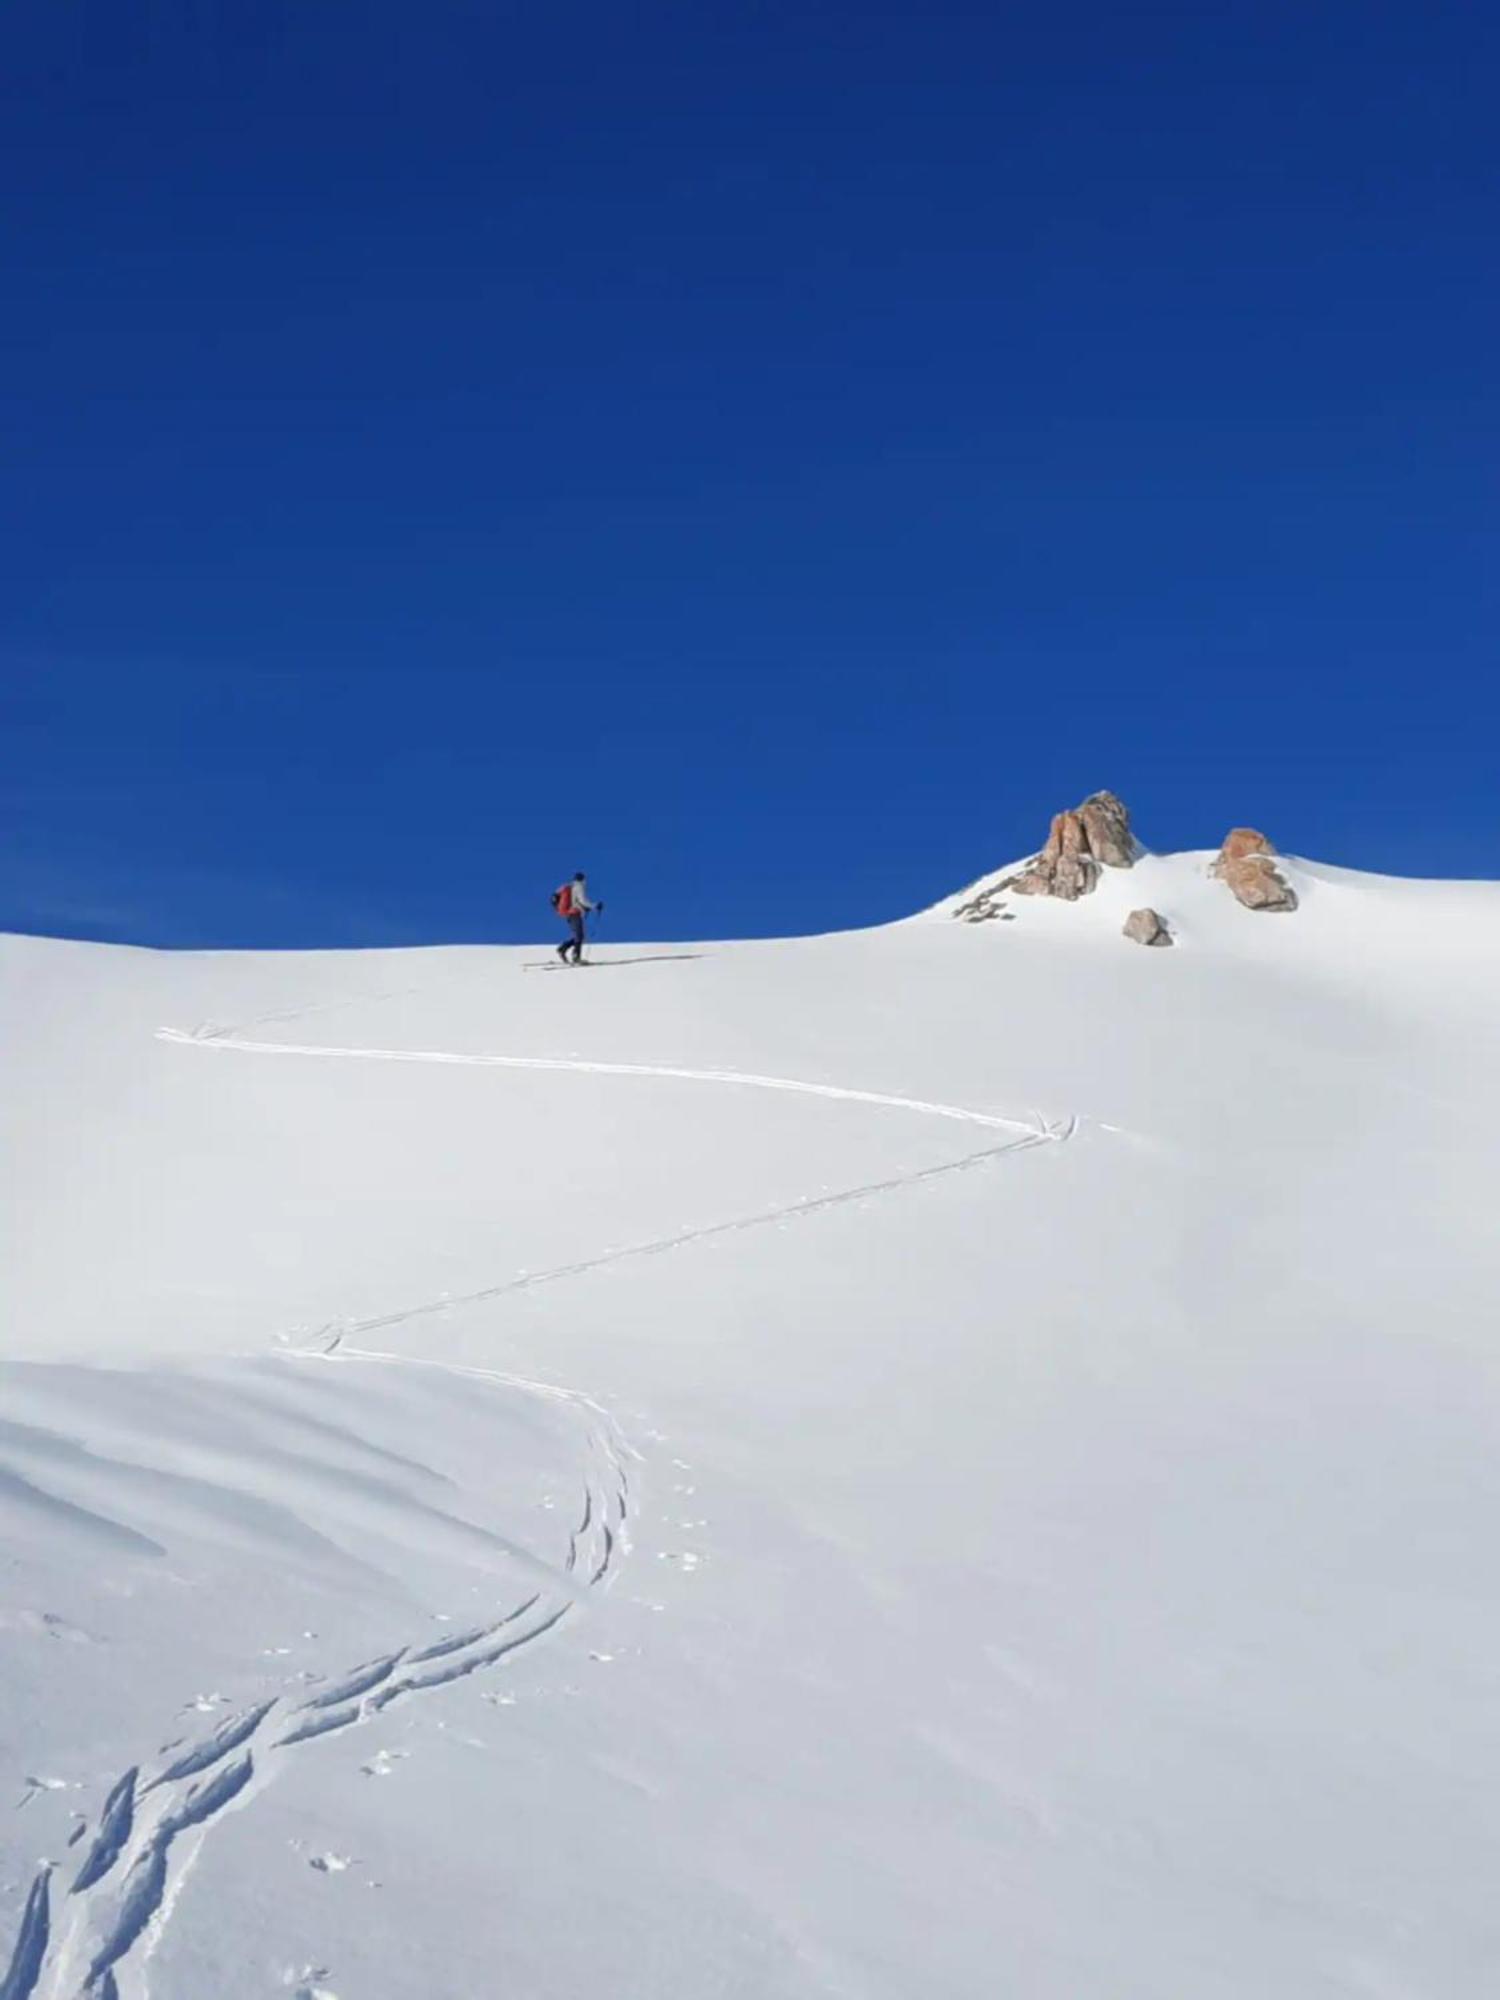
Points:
x=771 y=457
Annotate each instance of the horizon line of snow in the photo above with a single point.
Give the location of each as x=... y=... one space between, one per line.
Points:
x=961 y=1113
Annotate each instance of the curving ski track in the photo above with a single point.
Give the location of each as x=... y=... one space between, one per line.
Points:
x=741 y=1079
x=83 y=1946
x=1036 y=1132
x=92 y=1941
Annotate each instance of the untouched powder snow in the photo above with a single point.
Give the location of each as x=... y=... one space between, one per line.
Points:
x=948 y=1460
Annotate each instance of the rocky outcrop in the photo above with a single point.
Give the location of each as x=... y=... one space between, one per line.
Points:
x=1106 y=827
x=1246 y=864
x=1064 y=867
x=1147 y=927
x=1094 y=835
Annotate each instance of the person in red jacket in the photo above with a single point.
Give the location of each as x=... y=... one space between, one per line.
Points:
x=572 y=904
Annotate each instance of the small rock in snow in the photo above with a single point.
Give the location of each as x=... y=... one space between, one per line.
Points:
x=1146 y=927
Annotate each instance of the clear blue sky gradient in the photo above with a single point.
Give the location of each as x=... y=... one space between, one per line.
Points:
x=771 y=457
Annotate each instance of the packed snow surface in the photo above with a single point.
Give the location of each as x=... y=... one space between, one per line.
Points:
x=949 y=1460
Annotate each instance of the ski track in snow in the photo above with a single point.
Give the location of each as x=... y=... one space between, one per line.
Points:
x=577 y=1065
x=1038 y=1132
x=147 y=1836
x=209 y=1031
x=93 y=1941
x=335 y=1332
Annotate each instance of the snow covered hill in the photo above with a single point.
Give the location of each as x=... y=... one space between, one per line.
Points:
x=949 y=1460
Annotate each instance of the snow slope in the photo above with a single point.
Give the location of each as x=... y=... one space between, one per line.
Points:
x=945 y=1460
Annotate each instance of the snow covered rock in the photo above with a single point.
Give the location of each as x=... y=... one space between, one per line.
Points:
x=1247 y=865
x=1093 y=834
x=1146 y=927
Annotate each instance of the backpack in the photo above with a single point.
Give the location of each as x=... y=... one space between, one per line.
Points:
x=562 y=900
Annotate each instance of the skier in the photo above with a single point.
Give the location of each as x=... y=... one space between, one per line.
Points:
x=572 y=904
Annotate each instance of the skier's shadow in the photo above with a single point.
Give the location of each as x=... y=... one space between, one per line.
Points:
x=646 y=958
x=603 y=964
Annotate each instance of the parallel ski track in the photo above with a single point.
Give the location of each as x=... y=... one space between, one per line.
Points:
x=92 y=1941
x=148 y=1834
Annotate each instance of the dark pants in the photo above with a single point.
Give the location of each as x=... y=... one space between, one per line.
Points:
x=573 y=944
